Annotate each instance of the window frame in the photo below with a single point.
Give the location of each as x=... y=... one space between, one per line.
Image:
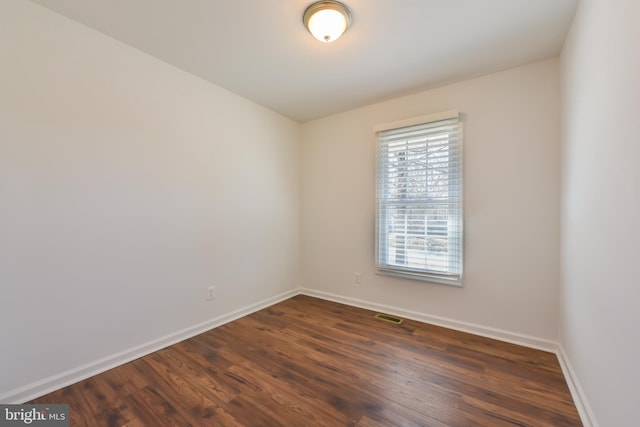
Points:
x=409 y=272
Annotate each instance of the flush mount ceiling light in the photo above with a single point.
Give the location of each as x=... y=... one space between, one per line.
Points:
x=327 y=20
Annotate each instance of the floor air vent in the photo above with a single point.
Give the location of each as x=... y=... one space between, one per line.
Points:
x=387 y=318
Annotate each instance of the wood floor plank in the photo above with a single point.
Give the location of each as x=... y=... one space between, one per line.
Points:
x=311 y=362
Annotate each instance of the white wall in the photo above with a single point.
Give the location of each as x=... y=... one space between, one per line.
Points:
x=601 y=207
x=126 y=188
x=512 y=203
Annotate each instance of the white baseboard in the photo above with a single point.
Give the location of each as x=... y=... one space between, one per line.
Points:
x=579 y=398
x=498 y=334
x=56 y=382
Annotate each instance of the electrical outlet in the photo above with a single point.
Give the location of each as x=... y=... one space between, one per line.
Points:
x=211 y=293
x=356 y=277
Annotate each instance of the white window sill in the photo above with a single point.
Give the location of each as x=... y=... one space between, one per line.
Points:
x=424 y=277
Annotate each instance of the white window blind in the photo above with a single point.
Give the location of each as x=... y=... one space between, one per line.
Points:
x=419 y=219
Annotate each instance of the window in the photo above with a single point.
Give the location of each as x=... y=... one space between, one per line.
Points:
x=419 y=198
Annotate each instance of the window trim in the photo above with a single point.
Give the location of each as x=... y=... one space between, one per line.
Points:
x=407 y=272
x=445 y=115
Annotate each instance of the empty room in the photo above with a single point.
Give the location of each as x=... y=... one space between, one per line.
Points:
x=333 y=213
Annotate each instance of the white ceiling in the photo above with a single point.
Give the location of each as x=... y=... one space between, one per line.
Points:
x=260 y=50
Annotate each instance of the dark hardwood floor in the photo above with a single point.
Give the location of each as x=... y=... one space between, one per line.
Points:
x=310 y=362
